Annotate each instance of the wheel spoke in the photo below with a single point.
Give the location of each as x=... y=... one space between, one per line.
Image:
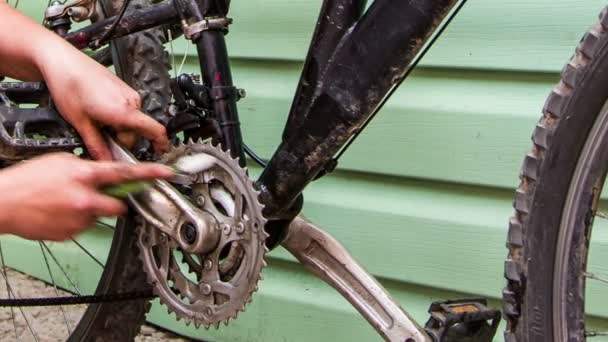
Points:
x=65 y=274
x=595 y=333
x=595 y=277
x=105 y=225
x=48 y=267
x=8 y=293
x=88 y=253
x=601 y=214
x=9 y=289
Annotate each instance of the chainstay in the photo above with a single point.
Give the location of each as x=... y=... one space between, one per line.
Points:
x=76 y=300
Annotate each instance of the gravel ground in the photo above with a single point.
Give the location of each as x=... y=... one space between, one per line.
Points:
x=49 y=323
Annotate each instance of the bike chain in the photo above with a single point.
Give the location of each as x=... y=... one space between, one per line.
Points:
x=76 y=300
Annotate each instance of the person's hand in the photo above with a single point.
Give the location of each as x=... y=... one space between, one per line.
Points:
x=89 y=96
x=55 y=196
x=86 y=93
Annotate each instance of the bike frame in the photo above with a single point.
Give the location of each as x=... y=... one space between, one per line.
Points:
x=355 y=58
x=335 y=95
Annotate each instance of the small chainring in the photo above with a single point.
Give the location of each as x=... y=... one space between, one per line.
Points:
x=210 y=288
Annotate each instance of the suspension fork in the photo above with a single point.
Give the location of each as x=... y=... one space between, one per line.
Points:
x=205 y=23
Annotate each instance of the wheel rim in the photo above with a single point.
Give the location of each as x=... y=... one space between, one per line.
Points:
x=571 y=260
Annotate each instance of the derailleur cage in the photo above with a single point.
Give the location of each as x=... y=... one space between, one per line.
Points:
x=462 y=320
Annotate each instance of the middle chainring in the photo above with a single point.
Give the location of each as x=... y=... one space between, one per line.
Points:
x=209 y=288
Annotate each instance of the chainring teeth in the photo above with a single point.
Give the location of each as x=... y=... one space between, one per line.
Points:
x=177 y=300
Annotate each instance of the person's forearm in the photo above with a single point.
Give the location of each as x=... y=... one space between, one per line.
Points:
x=26 y=47
x=6 y=221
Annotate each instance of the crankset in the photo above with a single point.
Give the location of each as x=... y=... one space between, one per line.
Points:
x=192 y=229
x=202 y=246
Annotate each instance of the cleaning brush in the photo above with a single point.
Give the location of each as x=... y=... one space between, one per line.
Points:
x=183 y=168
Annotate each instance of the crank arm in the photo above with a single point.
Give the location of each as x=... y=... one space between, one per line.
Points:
x=324 y=256
x=167 y=210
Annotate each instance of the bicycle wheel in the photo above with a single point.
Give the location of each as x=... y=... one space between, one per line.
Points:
x=548 y=271
x=142 y=62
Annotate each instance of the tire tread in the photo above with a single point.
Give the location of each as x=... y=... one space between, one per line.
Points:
x=552 y=114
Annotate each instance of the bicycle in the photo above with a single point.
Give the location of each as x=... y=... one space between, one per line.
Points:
x=200 y=242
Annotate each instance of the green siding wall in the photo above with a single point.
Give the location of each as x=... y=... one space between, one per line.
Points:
x=424 y=196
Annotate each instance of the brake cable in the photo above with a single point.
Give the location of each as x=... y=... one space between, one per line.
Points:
x=111 y=29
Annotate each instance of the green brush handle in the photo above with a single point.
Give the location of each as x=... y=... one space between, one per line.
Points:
x=122 y=190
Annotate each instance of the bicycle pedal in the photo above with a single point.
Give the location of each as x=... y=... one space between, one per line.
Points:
x=462 y=320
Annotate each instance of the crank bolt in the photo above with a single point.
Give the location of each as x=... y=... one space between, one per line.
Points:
x=240 y=228
x=226 y=229
x=205 y=289
x=208 y=264
x=200 y=201
x=209 y=311
x=188 y=233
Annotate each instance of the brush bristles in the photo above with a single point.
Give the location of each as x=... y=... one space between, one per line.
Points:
x=195 y=163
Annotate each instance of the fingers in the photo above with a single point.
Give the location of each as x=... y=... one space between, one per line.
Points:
x=127 y=138
x=107 y=206
x=94 y=141
x=124 y=115
x=105 y=173
x=144 y=125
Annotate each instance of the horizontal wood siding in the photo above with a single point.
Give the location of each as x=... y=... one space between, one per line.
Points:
x=423 y=198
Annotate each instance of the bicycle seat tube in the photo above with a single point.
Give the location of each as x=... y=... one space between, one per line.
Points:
x=205 y=23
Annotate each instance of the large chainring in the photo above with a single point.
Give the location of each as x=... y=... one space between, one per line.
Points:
x=211 y=288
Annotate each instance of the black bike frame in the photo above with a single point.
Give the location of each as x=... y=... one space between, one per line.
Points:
x=354 y=60
x=352 y=64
